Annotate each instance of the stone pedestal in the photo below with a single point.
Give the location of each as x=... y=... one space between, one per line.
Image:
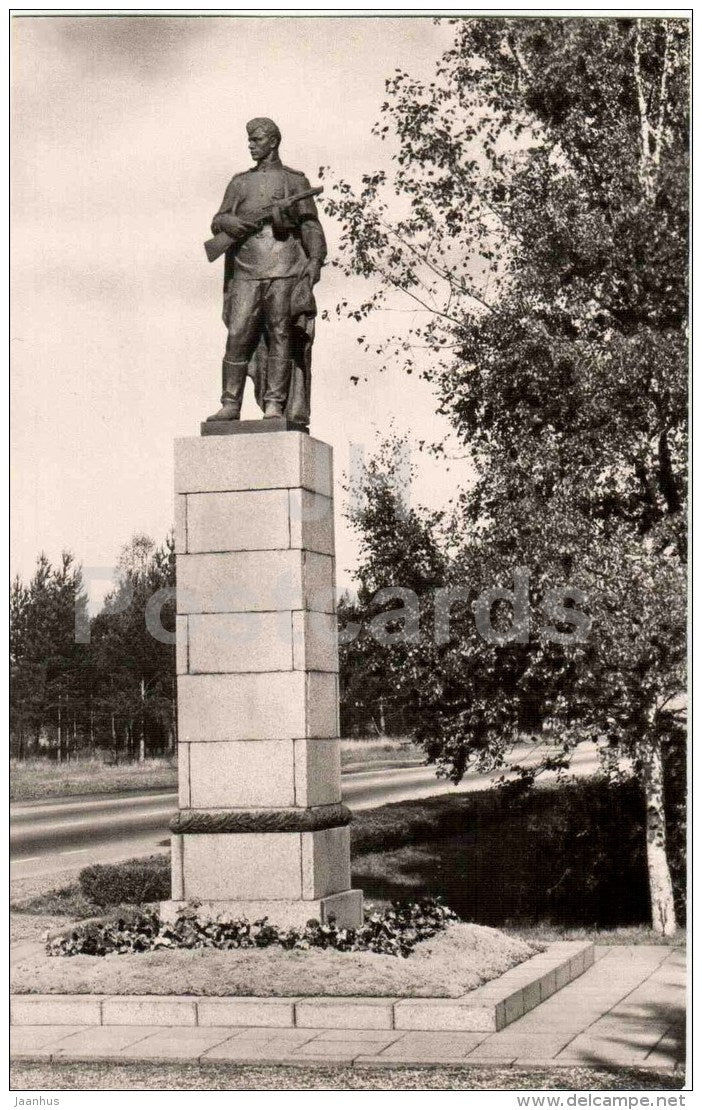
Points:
x=261 y=830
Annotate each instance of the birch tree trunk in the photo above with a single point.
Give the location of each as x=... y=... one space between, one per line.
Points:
x=172 y=729
x=661 y=887
x=142 y=738
x=651 y=129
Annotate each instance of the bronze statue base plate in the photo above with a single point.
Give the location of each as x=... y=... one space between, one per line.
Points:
x=248 y=427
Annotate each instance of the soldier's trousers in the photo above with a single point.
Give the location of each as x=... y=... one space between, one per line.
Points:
x=257 y=305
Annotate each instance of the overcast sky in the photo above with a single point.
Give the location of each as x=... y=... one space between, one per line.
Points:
x=125 y=133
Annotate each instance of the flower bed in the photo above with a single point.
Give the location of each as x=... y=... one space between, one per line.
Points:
x=394 y=932
x=455 y=960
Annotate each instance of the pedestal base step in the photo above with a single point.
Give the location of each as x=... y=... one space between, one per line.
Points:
x=346 y=907
x=248 y=427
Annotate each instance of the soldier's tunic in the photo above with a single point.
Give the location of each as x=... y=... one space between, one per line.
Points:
x=269 y=311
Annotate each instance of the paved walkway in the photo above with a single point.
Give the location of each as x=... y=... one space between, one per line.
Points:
x=627 y=1010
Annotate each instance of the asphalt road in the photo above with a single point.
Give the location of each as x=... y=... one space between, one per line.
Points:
x=63 y=833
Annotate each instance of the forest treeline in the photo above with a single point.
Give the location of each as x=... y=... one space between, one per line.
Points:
x=103 y=684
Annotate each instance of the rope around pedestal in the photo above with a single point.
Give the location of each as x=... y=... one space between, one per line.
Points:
x=260 y=820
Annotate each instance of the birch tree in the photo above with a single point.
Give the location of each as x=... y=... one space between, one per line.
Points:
x=536 y=223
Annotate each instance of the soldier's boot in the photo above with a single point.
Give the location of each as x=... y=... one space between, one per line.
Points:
x=233 y=382
x=277 y=386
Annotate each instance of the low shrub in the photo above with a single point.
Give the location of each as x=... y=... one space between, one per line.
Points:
x=132 y=882
x=394 y=932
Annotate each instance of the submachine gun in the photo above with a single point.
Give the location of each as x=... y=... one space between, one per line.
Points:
x=270 y=213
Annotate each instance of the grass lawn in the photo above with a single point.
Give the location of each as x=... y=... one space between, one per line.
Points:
x=447 y=867
x=33 y=779
x=26 y=928
x=391 y=750
x=447 y=965
x=633 y=934
x=222 y=1077
x=570 y=857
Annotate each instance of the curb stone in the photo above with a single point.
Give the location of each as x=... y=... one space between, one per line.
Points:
x=489 y=1008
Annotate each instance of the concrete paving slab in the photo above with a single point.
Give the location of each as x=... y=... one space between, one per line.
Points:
x=294 y=1035
x=613 y=989
x=409 y=1059
x=663 y=1062
x=662 y=984
x=611 y=975
x=678 y=1029
x=103 y=1041
x=570 y=1020
x=372 y=1036
x=431 y=1047
x=341 y=1056
x=177 y=1043
x=339 y=1051
x=629 y=1031
x=560 y=1062
x=649 y=955
x=593 y=994
x=678 y=957
x=669 y=1051
x=674 y=1040
x=38 y=1040
x=510 y=1045
x=667 y=1013
x=591 y=1051
x=669 y=977
x=616 y=985
x=278 y=1049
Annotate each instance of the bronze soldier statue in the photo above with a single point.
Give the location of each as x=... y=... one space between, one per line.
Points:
x=274 y=259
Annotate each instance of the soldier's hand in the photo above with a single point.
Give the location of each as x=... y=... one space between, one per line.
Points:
x=313 y=270
x=233 y=225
